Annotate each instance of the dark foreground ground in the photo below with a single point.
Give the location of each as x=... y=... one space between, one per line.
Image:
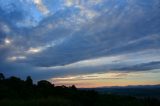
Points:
x=102 y=100
x=17 y=92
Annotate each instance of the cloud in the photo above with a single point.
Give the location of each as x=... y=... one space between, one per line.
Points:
x=41 y=7
x=121 y=63
x=143 y=66
x=15 y=58
x=79 y=36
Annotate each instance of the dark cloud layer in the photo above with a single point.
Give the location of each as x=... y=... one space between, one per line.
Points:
x=36 y=37
x=143 y=66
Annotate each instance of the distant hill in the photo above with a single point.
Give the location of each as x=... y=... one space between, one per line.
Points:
x=137 y=91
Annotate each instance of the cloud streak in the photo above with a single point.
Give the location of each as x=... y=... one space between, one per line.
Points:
x=41 y=7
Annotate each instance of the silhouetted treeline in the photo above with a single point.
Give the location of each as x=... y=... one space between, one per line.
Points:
x=17 y=92
x=14 y=87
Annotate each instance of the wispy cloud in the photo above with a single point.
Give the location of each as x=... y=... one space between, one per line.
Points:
x=41 y=7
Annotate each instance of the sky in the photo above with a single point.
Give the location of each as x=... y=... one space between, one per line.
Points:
x=89 y=43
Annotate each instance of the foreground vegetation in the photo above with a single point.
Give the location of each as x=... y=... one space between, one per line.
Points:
x=17 y=92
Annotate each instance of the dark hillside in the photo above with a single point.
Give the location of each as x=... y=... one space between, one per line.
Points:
x=17 y=92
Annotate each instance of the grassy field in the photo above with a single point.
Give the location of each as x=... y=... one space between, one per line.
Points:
x=102 y=100
x=52 y=101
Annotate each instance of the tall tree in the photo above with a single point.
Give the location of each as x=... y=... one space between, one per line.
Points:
x=2 y=76
x=29 y=81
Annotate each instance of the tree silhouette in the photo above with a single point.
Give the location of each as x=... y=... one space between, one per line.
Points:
x=44 y=84
x=2 y=76
x=73 y=87
x=29 y=81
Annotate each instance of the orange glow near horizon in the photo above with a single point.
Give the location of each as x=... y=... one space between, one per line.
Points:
x=95 y=84
x=109 y=79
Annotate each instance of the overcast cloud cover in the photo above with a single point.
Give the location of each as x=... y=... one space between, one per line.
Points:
x=52 y=38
